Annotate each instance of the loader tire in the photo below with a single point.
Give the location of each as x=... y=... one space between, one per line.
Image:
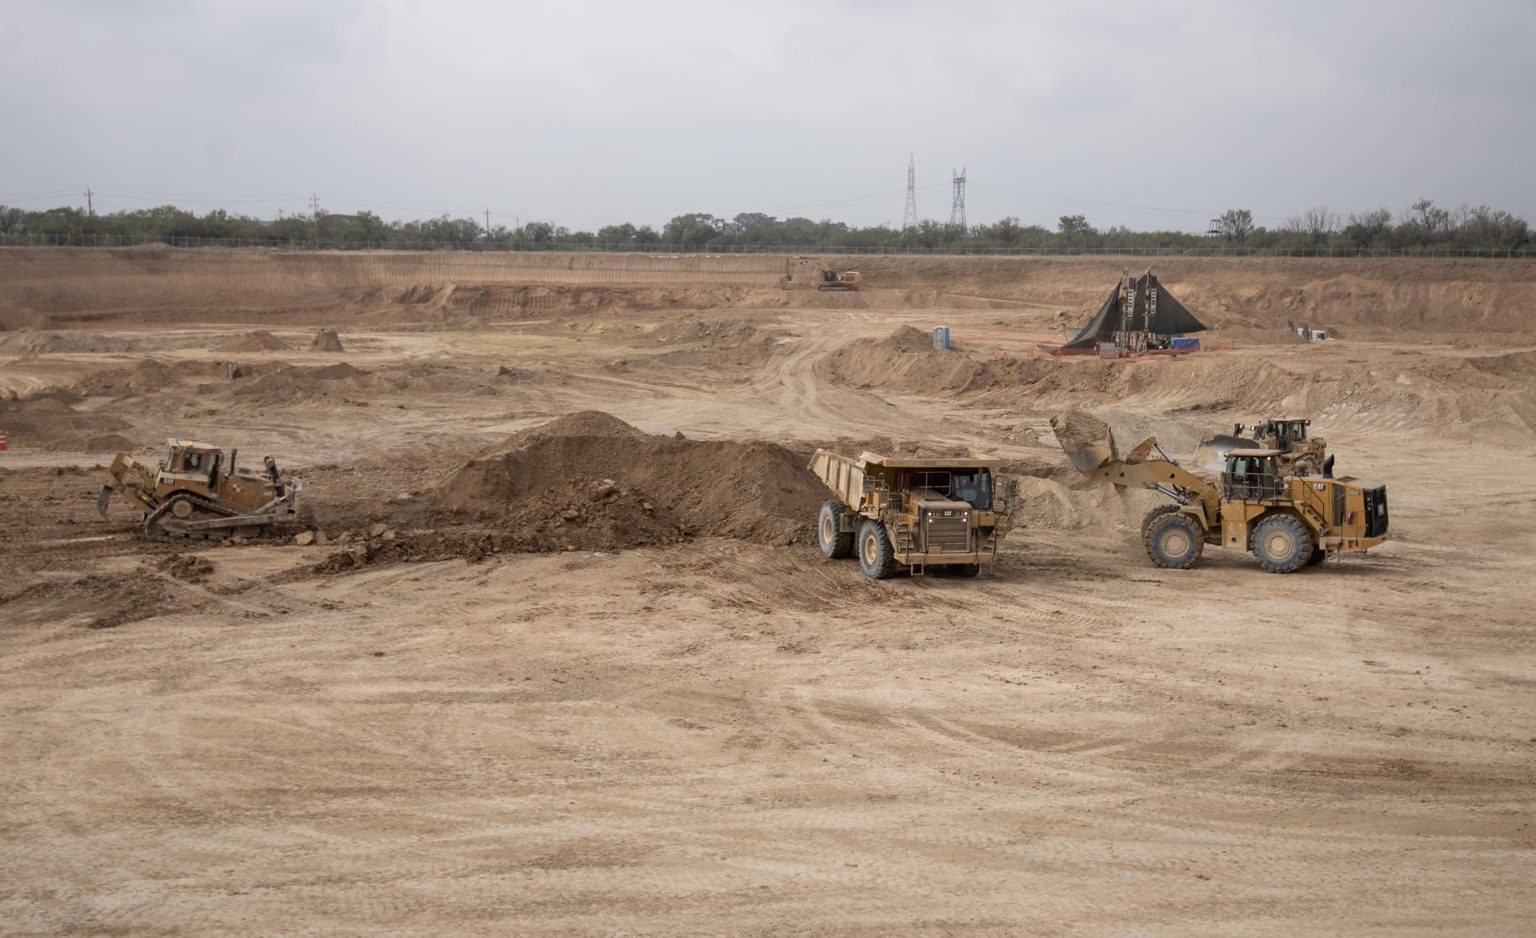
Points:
x=1175 y=541
x=834 y=543
x=1153 y=515
x=1281 y=543
x=876 y=556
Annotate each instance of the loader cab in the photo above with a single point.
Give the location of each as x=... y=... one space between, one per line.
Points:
x=1285 y=433
x=1252 y=475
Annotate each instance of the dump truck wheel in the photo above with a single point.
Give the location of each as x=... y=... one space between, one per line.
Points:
x=963 y=569
x=1319 y=554
x=1153 y=515
x=876 y=558
x=1281 y=543
x=834 y=542
x=1175 y=541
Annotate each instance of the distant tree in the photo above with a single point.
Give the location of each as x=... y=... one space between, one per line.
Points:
x=696 y=228
x=1316 y=223
x=11 y=219
x=537 y=232
x=1236 y=224
x=1074 y=228
x=617 y=234
x=1007 y=231
x=1368 y=229
x=1430 y=217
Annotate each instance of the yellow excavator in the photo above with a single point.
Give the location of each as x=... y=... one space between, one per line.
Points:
x=823 y=276
x=1287 y=520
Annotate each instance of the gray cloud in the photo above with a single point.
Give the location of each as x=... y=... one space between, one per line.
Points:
x=1145 y=114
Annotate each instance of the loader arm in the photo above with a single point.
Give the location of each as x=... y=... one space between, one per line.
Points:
x=1167 y=477
x=1090 y=445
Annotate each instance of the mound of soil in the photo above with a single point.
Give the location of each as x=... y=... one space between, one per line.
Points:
x=49 y=419
x=258 y=341
x=92 y=443
x=20 y=317
x=143 y=376
x=49 y=342
x=326 y=340
x=1078 y=428
x=715 y=343
x=586 y=479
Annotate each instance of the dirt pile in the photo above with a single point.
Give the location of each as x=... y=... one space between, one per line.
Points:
x=20 y=317
x=906 y=360
x=143 y=376
x=716 y=343
x=1076 y=429
x=258 y=341
x=593 y=481
x=326 y=340
x=50 y=420
x=53 y=342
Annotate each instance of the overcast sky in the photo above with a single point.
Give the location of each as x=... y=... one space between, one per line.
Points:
x=1152 y=115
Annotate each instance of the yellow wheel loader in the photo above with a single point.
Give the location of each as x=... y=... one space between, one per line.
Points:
x=1286 y=520
x=196 y=492
x=912 y=514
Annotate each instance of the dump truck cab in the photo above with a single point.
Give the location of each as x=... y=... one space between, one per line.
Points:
x=912 y=514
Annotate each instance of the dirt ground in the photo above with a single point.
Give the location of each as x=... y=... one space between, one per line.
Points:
x=539 y=706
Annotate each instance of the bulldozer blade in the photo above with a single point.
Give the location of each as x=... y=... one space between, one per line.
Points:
x=102 y=498
x=1087 y=440
x=1211 y=454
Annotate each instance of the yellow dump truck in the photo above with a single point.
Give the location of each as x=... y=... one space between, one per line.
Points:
x=913 y=514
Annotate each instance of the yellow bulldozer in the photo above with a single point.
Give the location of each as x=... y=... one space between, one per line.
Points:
x=912 y=514
x=196 y=492
x=823 y=276
x=1287 y=520
x=1300 y=452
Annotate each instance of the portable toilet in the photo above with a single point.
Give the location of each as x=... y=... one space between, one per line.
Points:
x=941 y=338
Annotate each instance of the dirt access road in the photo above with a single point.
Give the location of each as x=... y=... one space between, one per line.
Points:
x=730 y=735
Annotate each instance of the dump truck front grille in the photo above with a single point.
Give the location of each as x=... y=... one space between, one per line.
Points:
x=946 y=530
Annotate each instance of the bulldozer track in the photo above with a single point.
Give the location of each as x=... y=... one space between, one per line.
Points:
x=155 y=529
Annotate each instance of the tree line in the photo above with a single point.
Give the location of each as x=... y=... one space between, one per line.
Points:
x=1424 y=225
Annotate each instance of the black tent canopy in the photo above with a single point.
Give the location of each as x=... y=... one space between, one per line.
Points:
x=1153 y=310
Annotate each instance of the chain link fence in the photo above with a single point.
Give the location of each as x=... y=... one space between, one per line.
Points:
x=1216 y=249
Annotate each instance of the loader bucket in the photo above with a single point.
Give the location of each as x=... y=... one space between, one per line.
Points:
x=102 y=498
x=1087 y=440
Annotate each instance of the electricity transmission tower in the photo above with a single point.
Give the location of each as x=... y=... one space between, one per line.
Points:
x=909 y=217
x=957 y=207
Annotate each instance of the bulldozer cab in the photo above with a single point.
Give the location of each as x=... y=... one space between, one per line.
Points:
x=1285 y=433
x=1252 y=475
x=195 y=460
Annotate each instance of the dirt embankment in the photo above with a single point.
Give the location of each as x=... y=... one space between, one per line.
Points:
x=1404 y=295
x=749 y=490
x=1252 y=297
x=1454 y=395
